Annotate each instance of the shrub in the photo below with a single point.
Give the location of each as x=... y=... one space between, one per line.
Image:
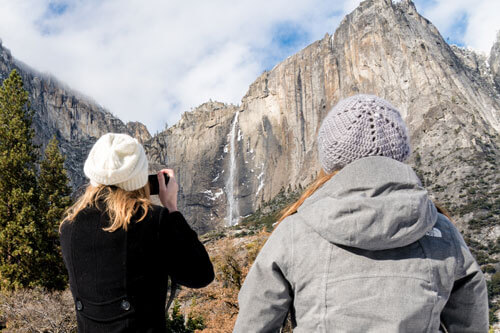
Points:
x=228 y=269
x=253 y=249
x=493 y=292
x=176 y=322
x=37 y=311
x=489 y=269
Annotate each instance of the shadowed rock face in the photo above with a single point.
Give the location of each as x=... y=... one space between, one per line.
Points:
x=448 y=96
x=494 y=61
x=197 y=149
x=74 y=119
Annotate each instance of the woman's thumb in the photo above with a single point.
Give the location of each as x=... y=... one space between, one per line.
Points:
x=161 y=181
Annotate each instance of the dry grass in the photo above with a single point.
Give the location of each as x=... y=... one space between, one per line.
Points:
x=43 y=312
x=37 y=311
x=218 y=303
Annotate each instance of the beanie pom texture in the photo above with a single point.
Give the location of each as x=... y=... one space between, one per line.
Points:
x=361 y=126
x=117 y=159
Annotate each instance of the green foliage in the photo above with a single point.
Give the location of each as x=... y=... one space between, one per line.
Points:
x=54 y=200
x=244 y=233
x=253 y=249
x=493 y=292
x=19 y=223
x=228 y=268
x=489 y=269
x=176 y=322
x=418 y=159
x=212 y=235
x=29 y=209
x=270 y=212
x=195 y=323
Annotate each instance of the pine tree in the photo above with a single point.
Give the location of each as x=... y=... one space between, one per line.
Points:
x=18 y=190
x=177 y=323
x=54 y=200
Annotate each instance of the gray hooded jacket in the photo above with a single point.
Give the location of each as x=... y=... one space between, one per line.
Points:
x=367 y=252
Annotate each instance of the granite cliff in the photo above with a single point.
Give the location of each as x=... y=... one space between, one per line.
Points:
x=232 y=159
x=494 y=61
x=235 y=158
x=74 y=119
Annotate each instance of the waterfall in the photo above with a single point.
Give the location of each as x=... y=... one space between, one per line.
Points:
x=232 y=207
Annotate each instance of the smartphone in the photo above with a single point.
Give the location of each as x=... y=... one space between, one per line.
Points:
x=154 y=187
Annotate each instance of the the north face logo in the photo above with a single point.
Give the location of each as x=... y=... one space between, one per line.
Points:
x=435 y=232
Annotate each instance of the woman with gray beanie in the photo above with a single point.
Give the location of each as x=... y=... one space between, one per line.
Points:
x=120 y=249
x=364 y=249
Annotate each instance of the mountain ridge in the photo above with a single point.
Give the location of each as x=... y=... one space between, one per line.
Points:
x=383 y=48
x=448 y=96
x=75 y=119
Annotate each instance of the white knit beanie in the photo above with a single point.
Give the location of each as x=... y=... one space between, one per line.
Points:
x=117 y=159
x=361 y=126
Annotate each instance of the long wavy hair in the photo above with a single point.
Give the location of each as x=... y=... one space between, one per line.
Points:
x=119 y=204
x=322 y=178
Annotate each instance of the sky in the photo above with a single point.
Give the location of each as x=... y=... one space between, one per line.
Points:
x=151 y=60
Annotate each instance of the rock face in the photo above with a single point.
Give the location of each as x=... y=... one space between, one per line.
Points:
x=231 y=159
x=447 y=96
x=139 y=131
x=494 y=61
x=197 y=148
x=74 y=119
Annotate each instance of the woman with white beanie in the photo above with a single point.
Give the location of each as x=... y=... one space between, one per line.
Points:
x=120 y=249
x=364 y=249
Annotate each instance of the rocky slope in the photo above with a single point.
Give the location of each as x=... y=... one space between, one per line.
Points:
x=75 y=120
x=494 y=61
x=230 y=160
x=447 y=95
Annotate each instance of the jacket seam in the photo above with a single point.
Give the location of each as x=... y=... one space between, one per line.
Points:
x=73 y=259
x=427 y=260
x=94 y=252
x=325 y=289
x=431 y=282
x=457 y=252
x=375 y=276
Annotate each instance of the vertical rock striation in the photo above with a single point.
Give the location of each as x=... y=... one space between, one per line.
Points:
x=74 y=119
x=446 y=95
x=197 y=149
x=231 y=159
x=494 y=61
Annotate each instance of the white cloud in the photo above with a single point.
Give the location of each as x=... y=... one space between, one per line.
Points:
x=483 y=25
x=151 y=60
x=481 y=20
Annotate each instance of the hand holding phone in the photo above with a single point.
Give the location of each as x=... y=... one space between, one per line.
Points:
x=154 y=186
x=168 y=194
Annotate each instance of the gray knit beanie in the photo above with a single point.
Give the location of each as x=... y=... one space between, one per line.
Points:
x=361 y=126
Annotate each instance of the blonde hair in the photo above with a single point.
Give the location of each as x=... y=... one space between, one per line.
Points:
x=322 y=178
x=119 y=204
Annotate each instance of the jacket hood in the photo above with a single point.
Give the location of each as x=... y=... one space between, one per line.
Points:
x=373 y=203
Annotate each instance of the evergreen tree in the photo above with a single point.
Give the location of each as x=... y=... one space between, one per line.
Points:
x=18 y=190
x=54 y=200
x=177 y=323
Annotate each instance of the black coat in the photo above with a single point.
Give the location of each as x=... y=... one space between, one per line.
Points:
x=119 y=279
